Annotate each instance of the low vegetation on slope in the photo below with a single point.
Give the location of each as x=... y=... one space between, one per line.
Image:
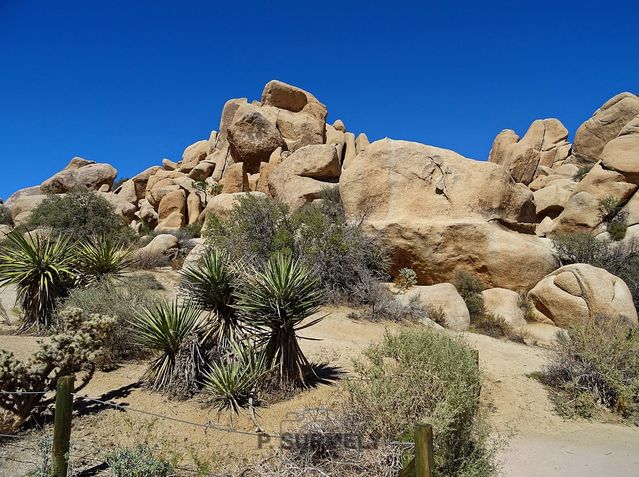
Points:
x=595 y=365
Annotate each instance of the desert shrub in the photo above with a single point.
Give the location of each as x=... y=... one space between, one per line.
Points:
x=318 y=235
x=407 y=278
x=582 y=171
x=620 y=259
x=274 y=301
x=441 y=375
x=596 y=362
x=81 y=214
x=470 y=287
x=168 y=328
x=43 y=269
x=614 y=218
x=194 y=230
x=143 y=260
x=138 y=461
x=232 y=381
x=380 y=304
x=73 y=350
x=210 y=284
x=492 y=325
x=5 y=215
x=100 y=258
x=122 y=300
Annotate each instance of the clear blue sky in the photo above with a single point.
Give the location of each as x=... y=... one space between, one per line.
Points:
x=131 y=82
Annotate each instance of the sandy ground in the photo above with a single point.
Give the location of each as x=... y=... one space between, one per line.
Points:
x=541 y=442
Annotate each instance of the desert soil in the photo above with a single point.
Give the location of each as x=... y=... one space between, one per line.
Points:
x=541 y=443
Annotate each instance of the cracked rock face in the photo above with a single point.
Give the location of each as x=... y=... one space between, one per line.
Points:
x=440 y=213
x=577 y=292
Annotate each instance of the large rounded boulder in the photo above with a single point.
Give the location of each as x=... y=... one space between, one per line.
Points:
x=577 y=292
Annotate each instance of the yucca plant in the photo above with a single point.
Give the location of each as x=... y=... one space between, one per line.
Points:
x=274 y=302
x=232 y=381
x=42 y=269
x=210 y=284
x=103 y=257
x=164 y=328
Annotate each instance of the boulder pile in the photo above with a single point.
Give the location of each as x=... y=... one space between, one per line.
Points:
x=438 y=212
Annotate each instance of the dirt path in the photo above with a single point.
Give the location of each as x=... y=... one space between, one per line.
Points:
x=543 y=443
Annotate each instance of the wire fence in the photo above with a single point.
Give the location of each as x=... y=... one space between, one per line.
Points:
x=28 y=444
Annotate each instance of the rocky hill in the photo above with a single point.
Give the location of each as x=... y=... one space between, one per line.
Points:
x=438 y=211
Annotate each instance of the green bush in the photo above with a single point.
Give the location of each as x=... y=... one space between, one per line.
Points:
x=620 y=259
x=81 y=214
x=139 y=461
x=470 y=287
x=318 y=235
x=613 y=217
x=122 y=300
x=441 y=376
x=617 y=228
x=596 y=363
x=5 y=215
x=407 y=278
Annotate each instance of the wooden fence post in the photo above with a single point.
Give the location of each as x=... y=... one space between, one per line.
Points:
x=62 y=426
x=424 y=463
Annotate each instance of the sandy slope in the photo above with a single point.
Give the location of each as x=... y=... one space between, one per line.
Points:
x=544 y=444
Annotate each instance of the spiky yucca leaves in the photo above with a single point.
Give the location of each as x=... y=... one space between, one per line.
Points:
x=103 y=257
x=275 y=301
x=42 y=269
x=163 y=328
x=232 y=380
x=210 y=285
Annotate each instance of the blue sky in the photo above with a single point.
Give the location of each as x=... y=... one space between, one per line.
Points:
x=132 y=82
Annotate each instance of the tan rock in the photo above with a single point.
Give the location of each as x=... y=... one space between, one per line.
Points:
x=169 y=165
x=195 y=153
x=576 y=292
x=300 y=129
x=147 y=214
x=222 y=204
x=505 y=304
x=622 y=153
x=440 y=213
x=252 y=139
x=194 y=207
x=228 y=114
x=551 y=200
x=444 y=296
x=303 y=175
x=127 y=192
x=141 y=180
x=235 y=179
x=160 y=244
x=203 y=170
x=174 y=221
x=361 y=143
x=172 y=202
x=91 y=175
x=544 y=144
x=275 y=158
x=339 y=125
x=350 y=150
x=265 y=172
x=121 y=206
x=604 y=125
x=290 y=98
x=22 y=205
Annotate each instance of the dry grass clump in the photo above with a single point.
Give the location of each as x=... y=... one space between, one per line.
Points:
x=380 y=304
x=595 y=366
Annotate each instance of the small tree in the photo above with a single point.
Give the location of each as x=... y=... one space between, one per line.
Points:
x=73 y=351
x=81 y=214
x=274 y=302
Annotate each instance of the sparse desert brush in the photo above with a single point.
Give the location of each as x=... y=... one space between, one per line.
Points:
x=5 y=215
x=596 y=363
x=319 y=236
x=73 y=351
x=122 y=300
x=424 y=376
x=407 y=278
x=138 y=461
x=380 y=304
